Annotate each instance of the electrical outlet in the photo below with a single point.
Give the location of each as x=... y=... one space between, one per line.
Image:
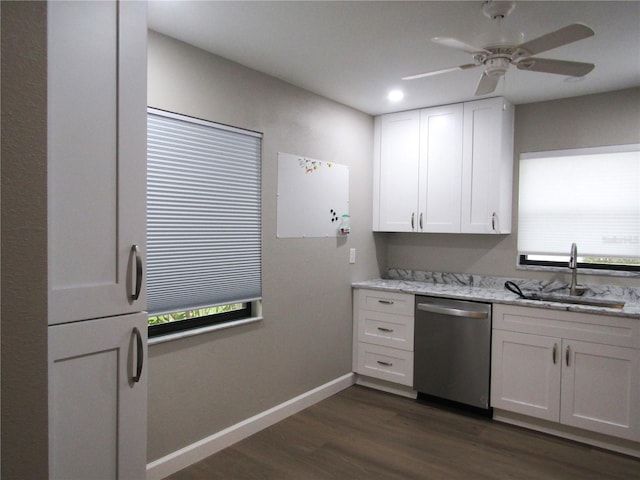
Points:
x=352 y=255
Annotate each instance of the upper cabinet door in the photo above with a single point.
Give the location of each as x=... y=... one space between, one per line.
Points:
x=487 y=167
x=440 y=169
x=397 y=175
x=97 y=158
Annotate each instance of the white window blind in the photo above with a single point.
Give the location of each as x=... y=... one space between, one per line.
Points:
x=587 y=196
x=203 y=214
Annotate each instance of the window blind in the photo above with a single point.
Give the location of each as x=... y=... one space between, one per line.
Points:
x=587 y=196
x=203 y=214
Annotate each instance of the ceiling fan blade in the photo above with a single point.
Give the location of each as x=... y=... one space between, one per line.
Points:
x=487 y=84
x=438 y=72
x=560 y=67
x=569 y=34
x=459 y=45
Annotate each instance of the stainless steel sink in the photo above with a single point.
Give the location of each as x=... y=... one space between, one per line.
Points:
x=590 y=301
x=560 y=298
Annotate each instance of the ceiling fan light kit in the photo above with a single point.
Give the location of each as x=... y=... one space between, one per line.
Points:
x=502 y=48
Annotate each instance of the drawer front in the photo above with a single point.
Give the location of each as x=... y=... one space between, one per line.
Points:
x=387 y=302
x=384 y=329
x=588 y=327
x=385 y=363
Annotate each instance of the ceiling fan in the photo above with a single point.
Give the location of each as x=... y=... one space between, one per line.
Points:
x=503 y=48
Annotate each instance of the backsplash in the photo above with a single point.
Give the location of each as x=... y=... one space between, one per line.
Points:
x=629 y=294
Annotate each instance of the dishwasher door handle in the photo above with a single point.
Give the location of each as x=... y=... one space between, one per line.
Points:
x=454 y=312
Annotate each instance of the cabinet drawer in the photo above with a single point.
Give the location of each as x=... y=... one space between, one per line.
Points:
x=384 y=329
x=385 y=363
x=388 y=302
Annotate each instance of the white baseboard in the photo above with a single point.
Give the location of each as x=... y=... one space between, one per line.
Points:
x=201 y=449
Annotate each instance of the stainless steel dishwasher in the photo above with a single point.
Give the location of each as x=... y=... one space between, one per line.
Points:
x=452 y=352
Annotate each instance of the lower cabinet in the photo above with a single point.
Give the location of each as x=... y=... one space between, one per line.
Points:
x=580 y=370
x=97 y=398
x=525 y=374
x=385 y=363
x=383 y=335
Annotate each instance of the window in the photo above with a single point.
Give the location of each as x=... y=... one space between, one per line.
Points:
x=203 y=222
x=588 y=196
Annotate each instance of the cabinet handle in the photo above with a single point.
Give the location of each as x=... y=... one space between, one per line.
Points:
x=494 y=221
x=386 y=302
x=386 y=364
x=567 y=355
x=420 y=221
x=136 y=253
x=555 y=353
x=413 y=221
x=382 y=329
x=139 y=356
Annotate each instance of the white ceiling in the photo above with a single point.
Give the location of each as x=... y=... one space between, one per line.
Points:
x=355 y=52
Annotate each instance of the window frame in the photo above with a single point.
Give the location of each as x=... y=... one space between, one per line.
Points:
x=252 y=309
x=523 y=260
x=200 y=322
x=601 y=268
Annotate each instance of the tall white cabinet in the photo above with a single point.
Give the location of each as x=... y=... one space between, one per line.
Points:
x=96 y=236
x=445 y=169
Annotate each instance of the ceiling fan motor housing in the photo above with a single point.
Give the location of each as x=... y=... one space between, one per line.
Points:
x=496 y=66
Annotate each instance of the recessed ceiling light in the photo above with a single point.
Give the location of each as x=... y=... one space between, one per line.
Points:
x=395 y=95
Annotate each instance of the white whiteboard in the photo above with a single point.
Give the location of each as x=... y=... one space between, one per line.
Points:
x=312 y=196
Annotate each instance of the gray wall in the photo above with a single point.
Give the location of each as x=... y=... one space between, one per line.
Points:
x=201 y=385
x=588 y=121
x=24 y=240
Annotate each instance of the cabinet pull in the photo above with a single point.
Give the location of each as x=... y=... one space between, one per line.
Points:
x=382 y=329
x=555 y=353
x=567 y=356
x=494 y=221
x=136 y=253
x=413 y=220
x=386 y=302
x=386 y=364
x=420 y=221
x=139 y=356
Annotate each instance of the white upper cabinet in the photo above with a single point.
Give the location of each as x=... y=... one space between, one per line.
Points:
x=440 y=169
x=396 y=172
x=97 y=158
x=445 y=169
x=487 y=172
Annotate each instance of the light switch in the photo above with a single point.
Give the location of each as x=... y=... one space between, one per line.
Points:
x=352 y=255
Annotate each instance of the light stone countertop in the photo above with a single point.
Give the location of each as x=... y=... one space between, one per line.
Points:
x=491 y=289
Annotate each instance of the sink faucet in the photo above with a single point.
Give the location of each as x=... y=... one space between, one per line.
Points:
x=574 y=288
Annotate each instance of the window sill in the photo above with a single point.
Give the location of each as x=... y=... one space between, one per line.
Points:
x=200 y=331
x=581 y=271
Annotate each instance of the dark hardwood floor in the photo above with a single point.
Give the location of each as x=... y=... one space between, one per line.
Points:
x=366 y=434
